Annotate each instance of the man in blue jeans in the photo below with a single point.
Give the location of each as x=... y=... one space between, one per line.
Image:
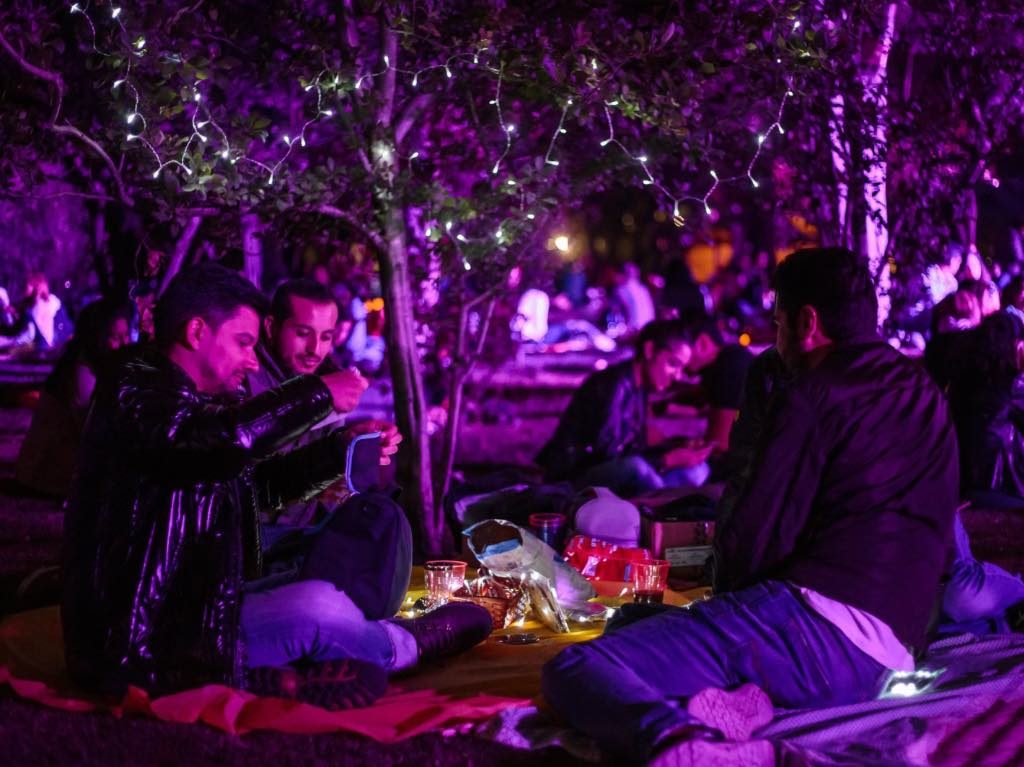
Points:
x=827 y=562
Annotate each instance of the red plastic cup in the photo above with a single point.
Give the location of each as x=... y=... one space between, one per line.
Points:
x=650 y=579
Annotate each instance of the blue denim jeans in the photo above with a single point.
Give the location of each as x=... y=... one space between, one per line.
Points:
x=313 y=621
x=628 y=688
x=978 y=593
x=634 y=475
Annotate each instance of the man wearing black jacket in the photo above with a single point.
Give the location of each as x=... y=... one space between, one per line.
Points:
x=162 y=532
x=827 y=562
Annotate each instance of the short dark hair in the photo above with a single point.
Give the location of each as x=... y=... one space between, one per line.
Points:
x=281 y=304
x=210 y=291
x=663 y=333
x=836 y=282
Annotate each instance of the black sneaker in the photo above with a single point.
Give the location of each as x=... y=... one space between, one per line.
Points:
x=334 y=685
x=449 y=630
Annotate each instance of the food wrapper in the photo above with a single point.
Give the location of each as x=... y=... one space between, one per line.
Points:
x=503 y=598
x=557 y=592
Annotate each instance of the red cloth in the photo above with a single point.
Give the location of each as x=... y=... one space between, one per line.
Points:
x=31 y=662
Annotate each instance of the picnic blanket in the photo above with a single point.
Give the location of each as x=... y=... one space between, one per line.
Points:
x=454 y=694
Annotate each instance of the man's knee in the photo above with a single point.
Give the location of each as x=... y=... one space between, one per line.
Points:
x=321 y=603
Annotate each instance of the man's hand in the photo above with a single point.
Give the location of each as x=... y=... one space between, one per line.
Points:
x=390 y=437
x=346 y=386
x=686 y=457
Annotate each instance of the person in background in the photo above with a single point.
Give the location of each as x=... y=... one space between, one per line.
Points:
x=633 y=298
x=49 y=450
x=722 y=368
x=602 y=438
x=42 y=322
x=162 y=525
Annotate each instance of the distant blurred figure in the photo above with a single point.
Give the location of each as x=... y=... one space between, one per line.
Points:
x=49 y=450
x=634 y=299
x=41 y=320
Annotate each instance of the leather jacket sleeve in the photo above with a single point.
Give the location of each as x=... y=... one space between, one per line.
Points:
x=191 y=440
x=302 y=473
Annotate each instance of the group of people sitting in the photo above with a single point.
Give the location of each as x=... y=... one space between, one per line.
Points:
x=837 y=546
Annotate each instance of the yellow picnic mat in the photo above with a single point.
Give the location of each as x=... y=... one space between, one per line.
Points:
x=469 y=688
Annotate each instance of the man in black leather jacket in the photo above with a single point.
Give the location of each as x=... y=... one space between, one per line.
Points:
x=162 y=529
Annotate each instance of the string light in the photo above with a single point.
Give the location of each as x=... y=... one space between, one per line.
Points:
x=507 y=129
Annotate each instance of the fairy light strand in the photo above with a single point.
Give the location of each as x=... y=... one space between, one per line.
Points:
x=202 y=118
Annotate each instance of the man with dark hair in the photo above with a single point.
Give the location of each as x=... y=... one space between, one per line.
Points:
x=827 y=561
x=298 y=336
x=162 y=528
x=722 y=368
x=602 y=438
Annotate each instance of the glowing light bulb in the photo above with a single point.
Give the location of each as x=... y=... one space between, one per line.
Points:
x=115 y=12
x=642 y=158
x=225 y=154
x=461 y=238
x=796 y=25
x=140 y=43
x=714 y=175
x=447 y=226
x=197 y=96
x=387 y=61
x=415 y=80
x=287 y=140
x=782 y=131
x=562 y=130
x=156 y=173
x=552 y=162
x=510 y=129
x=131 y=117
x=202 y=123
x=760 y=138
x=448 y=72
x=512 y=182
x=427 y=232
x=562 y=243
x=789 y=93
x=328 y=113
x=606 y=142
x=613 y=103
x=131 y=137
x=753 y=182
x=76 y=8
x=202 y=137
x=494 y=170
x=118 y=84
x=530 y=216
x=302 y=141
x=707 y=208
x=647 y=182
x=308 y=88
x=465 y=265
x=498 y=235
x=414 y=155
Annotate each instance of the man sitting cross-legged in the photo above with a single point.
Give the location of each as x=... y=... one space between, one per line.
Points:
x=827 y=566
x=162 y=528
x=323 y=536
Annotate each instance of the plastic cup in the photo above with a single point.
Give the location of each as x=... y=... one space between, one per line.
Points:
x=550 y=528
x=649 y=581
x=442 y=578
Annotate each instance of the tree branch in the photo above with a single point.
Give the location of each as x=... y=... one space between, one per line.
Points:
x=57 y=82
x=180 y=251
x=373 y=237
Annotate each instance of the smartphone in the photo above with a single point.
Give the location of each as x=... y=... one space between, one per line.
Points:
x=362 y=462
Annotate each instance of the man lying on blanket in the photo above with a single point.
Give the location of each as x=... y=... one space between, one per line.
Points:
x=162 y=530
x=827 y=564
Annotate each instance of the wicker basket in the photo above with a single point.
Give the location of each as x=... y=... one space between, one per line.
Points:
x=499 y=608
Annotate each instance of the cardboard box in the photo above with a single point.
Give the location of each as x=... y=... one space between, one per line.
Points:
x=660 y=535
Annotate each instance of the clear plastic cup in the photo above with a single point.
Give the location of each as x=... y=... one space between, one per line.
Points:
x=650 y=579
x=443 y=577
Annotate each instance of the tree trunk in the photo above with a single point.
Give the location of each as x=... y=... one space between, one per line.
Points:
x=876 y=222
x=407 y=377
x=181 y=249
